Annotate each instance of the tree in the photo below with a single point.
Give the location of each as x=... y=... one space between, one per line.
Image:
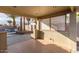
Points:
x=14 y=19
x=9 y=21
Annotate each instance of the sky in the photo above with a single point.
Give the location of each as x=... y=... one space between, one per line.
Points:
x=5 y=17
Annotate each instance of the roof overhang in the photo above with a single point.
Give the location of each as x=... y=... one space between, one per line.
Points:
x=36 y=11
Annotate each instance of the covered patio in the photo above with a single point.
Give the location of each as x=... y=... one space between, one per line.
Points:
x=53 y=29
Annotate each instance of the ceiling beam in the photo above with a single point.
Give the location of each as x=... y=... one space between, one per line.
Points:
x=55 y=14
x=72 y=8
x=16 y=12
x=13 y=12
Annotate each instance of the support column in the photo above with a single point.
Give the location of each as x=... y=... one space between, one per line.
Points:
x=39 y=33
x=35 y=30
x=35 y=24
x=50 y=23
x=21 y=24
x=28 y=19
x=38 y=25
x=24 y=23
x=65 y=23
x=14 y=22
x=72 y=30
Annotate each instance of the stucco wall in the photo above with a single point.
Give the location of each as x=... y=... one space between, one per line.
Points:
x=60 y=40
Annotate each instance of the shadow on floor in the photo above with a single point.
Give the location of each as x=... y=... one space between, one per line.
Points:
x=34 y=46
x=49 y=48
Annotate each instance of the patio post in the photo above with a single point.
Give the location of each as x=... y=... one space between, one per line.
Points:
x=72 y=30
x=38 y=24
x=24 y=23
x=21 y=24
x=50 y=23
x=14 y=22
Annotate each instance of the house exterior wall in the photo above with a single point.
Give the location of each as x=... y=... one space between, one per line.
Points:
x=55 y=37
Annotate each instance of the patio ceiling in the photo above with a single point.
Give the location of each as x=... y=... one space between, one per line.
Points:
x=36 y=11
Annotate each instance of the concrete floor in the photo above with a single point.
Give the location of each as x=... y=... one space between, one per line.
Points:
x=13 y=38
x=26 y=44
